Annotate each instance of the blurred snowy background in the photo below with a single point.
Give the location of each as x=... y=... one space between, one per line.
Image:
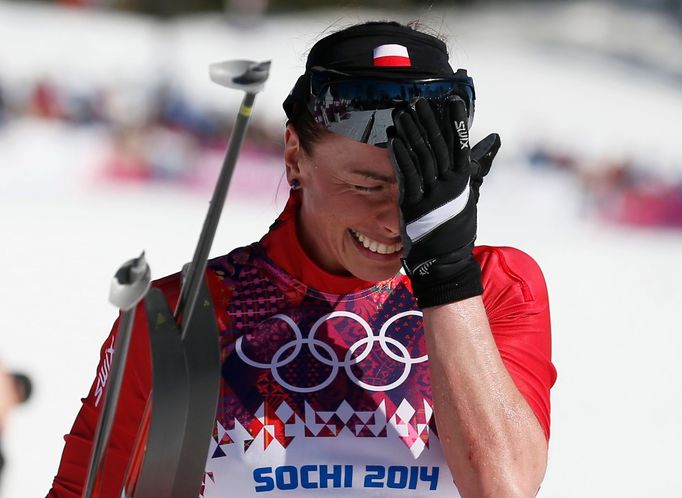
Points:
x=111 y=135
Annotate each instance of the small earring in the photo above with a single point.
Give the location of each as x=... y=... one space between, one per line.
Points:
x=295 y=184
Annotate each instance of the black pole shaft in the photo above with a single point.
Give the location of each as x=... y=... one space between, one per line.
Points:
x=110 y=402
x=190 y=287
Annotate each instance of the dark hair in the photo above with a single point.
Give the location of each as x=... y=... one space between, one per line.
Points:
x=301 y=119
x=309 y=132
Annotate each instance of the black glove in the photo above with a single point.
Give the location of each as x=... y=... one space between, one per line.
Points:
x=439 y=178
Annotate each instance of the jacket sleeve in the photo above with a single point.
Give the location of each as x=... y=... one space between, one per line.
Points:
x=137 y=381
x=70 y=479
x=517 y=304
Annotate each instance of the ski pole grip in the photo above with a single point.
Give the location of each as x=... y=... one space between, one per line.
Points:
x=130 y=283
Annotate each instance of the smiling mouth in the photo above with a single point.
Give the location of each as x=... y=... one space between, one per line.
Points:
x=374 y=246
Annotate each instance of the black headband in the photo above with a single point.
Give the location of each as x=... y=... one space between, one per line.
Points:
x=353 y=50
x=376 y=49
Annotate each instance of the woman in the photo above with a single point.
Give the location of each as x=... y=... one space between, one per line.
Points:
x=342 y=376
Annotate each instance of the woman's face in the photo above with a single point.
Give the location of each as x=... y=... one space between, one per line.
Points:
x=349 y=219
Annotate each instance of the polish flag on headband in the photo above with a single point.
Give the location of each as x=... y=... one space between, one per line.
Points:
x=391 y=56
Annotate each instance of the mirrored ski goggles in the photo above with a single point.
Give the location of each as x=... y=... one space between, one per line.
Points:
x=360 y=108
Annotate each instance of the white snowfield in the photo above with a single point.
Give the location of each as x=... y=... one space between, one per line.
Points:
x=615 y=293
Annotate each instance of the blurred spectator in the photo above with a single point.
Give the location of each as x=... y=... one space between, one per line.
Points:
x=83 y=109
x=125 y=161
x=15 y=388
x=44 y=101
x=619 y=191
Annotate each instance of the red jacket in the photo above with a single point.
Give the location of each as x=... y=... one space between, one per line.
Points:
x=272 y=402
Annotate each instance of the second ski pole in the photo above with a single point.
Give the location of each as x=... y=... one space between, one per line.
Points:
x=250 y=77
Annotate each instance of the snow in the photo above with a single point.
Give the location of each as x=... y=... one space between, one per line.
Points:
x=614 y=292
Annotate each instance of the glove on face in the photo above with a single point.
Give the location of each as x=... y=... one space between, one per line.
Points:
x=439 y=178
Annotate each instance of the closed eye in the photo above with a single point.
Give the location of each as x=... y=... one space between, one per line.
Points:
x=361 y=188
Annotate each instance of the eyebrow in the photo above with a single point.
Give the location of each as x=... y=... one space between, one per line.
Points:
x=373 y=175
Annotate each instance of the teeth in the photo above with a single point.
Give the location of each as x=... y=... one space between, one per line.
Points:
x=375 y=246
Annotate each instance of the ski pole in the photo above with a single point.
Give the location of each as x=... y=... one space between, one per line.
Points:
x=198 y=338
x=128 y=287
x=250 y=77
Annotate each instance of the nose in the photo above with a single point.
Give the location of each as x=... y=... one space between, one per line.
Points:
x=388 y=215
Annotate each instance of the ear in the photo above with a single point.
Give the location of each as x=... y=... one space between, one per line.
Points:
x=293 y=153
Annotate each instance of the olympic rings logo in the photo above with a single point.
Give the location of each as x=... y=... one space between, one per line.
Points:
x=290 y=350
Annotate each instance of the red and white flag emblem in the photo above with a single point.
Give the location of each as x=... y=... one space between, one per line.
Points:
x=391 y=55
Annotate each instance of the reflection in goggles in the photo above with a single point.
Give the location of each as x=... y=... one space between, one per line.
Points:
x=361 y=108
